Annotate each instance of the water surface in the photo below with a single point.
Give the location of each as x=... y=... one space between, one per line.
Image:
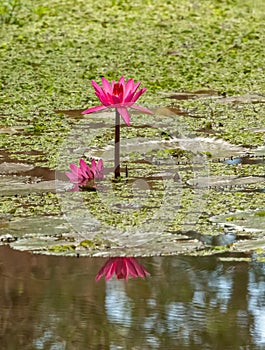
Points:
x=50 y=302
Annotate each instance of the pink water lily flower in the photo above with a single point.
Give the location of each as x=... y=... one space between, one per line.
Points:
x=119 y=95
x=84 y=175
x=122 y=267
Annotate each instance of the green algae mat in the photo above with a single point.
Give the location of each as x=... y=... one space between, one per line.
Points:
x=196 y=168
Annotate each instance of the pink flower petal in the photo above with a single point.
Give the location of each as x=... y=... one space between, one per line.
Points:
x=121 y=268
x=103 y=98
x=139 y=270
x=86 y=171
x=93 y=109
x=136 y=85
x=75 y=188
x=125 y=271
x=74 y=168
x=138 y=94
x=97 y=88
x=93 y=166
x=129 y=86
x=83 y=165
x=130 y=92
x=110 y=271
x=89 y=175
x=116 y=100
x=100 y=273
x=128 y=98
x=131 y=267
x=71 y=176
x=107 y=269
x=121 y=81
x=100 y=165
x=98 y=170
x=124 y=114
x=112 y=85
x=106 y=85
x=109 y=99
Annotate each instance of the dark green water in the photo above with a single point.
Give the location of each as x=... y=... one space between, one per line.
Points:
x=187 y=303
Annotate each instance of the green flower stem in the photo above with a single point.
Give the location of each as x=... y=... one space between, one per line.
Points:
x=117 y=173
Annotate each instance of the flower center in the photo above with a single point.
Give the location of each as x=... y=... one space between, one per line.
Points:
x=117 y=89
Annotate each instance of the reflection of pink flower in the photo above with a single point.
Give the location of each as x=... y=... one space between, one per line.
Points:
x=122 y=268
x=120 y=95
x=84 y=175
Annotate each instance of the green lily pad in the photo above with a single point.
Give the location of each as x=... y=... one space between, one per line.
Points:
x=249 y=220
x=225 y=180
x=46 y=226
x=246 y=98
x=11 y=168
x=13 y=185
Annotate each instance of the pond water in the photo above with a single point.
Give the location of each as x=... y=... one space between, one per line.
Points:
x=52 y=302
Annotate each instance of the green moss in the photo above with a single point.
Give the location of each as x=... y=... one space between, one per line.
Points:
x=95 y=243
x=30 y=205
x=234 y=218
x=62 y=248
x=260 y=213
x=261 y=259
x=87 y=243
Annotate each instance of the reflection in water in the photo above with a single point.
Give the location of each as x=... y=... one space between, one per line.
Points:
x=122 y=267
x=256 y=304
x=121 y=313
x=49 y=302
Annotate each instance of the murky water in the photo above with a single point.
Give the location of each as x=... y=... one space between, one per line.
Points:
x=50 y=302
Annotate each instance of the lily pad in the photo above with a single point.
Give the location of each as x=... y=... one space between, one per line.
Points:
x=250 y=221
x=35 y=226
x=225 y=181
x=247 y=98
x=252 y=245
x=13 y=168
x=53 y=235
x=187 y=95
x=259 y=151
x=13 y=185
x=215 y=147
